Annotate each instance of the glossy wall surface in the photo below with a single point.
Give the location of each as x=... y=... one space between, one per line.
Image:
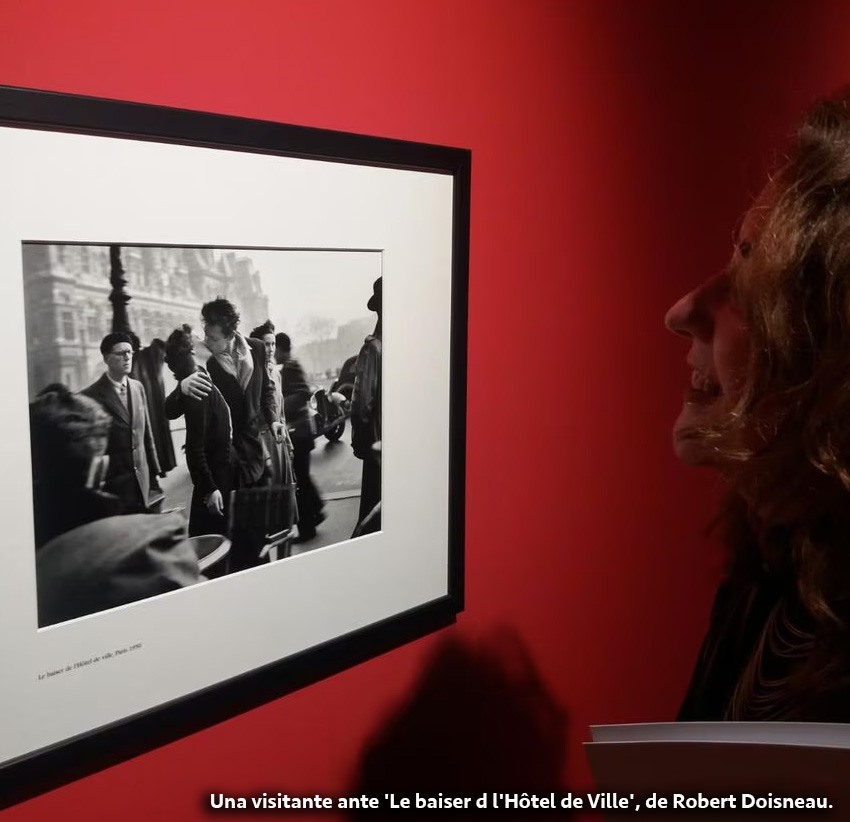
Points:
x=615 y=145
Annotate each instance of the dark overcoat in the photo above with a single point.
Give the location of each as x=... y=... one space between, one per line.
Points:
x=249 y=408
x=210 y=459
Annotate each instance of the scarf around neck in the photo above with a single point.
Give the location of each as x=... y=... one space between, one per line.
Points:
x=239 y=363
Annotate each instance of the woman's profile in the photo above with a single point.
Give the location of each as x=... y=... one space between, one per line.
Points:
x=769 y=408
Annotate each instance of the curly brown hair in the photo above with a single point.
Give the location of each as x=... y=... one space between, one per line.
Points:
x=785 y=440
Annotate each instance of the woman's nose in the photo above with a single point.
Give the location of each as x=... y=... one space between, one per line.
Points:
x=692 y=315
x=680 y=316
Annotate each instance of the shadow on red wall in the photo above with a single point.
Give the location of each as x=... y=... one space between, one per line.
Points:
x=479 y=720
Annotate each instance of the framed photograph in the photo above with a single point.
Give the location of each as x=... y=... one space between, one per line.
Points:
x=234 y=417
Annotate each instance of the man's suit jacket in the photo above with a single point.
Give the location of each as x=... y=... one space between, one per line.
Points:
x=133 y=463
x=248 y=409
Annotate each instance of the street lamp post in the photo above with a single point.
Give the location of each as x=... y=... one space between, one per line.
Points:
x=118 y=296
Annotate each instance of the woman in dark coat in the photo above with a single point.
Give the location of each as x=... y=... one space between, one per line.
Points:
x=768 y=407
x=209 y=442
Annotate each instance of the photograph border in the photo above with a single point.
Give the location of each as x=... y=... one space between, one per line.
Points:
x=68 y=760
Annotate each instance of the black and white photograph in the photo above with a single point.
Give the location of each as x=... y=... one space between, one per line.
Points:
x=221 y=487
x=196 y=412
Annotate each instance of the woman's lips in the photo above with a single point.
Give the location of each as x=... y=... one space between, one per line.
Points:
x=703 y=389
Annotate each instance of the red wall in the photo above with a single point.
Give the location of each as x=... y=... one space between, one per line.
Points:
x=614 y=146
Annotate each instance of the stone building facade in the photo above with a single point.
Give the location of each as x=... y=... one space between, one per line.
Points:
x=68 y=312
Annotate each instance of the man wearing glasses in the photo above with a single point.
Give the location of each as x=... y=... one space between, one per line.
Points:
x=133 y=464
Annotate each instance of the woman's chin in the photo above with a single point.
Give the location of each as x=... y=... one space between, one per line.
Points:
x=688 y=446
x=691 y=451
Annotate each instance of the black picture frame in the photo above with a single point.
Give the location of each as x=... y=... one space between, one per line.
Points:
x=67 y=759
